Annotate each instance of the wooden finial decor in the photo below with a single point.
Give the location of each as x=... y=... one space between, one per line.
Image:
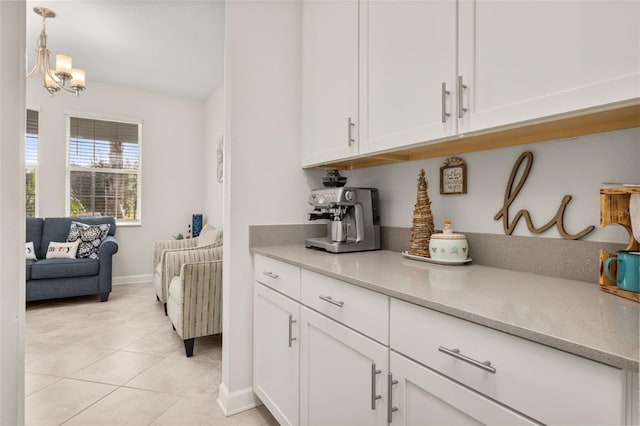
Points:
x=422 y=227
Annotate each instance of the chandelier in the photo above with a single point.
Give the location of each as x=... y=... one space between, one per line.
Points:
x=64 y=76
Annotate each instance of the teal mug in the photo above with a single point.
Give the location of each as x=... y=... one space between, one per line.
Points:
x=628 y=270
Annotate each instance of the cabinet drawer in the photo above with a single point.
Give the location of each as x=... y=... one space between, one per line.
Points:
x=546 y=384
x=280 y=276
x=363 y=310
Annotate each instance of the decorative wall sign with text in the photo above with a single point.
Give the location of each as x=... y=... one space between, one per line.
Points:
x=453 y=176
x=511 y=194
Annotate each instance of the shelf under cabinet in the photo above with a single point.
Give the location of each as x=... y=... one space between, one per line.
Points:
x=606 y=119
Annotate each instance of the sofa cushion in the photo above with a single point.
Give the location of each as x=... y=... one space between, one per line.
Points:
x=209 y=235
x=28 y=271
x=90 y=237
x=34 y=233
x=57 y=229
x=176 y=290
x=64 y=268
x=157 y=281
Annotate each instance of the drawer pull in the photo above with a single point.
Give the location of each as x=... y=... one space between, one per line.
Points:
x=270 y=275
x=374 y=396
x=390 y=408
x=291 y=322
x=333 y=302
x=486 y=365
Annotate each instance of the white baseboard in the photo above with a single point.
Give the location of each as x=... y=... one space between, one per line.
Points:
x=132 y=279
x=238 y=401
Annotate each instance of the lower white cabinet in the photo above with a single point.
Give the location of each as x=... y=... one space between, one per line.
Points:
x=322 y=357
x=342 y=374
x=423 y=397
x=276 y=353
x=551 y=386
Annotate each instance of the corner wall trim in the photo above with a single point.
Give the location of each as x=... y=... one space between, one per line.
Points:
x=133 y=279
x=238 y=401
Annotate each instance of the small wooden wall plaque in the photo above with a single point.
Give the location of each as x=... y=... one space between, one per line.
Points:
x=453 y=176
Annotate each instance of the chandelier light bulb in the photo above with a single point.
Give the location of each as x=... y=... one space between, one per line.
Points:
x=63 y=64
x=50 y=84
x=77 y=79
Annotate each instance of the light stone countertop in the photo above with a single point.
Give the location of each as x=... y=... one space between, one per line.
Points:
x=574 y=316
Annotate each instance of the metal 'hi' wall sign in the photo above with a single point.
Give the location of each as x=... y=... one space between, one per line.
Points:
x=511 y=194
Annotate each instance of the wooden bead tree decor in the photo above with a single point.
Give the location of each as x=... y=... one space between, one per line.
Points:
x=422 y=221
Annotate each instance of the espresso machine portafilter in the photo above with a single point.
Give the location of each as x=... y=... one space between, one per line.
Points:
x=353 y=219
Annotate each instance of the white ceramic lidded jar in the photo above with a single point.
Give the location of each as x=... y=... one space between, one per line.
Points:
x=448 y=245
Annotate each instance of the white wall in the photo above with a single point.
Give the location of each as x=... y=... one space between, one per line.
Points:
x=173 y=134
x=214 y=130
x=575 y=166
x=12 y=225
x=264 y=183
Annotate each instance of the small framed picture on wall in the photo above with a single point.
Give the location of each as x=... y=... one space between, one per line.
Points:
x=453 y=176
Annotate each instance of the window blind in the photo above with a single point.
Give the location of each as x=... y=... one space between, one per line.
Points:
x=31 y=162
x=103 y=144
x=104 y=168
x=31 y=145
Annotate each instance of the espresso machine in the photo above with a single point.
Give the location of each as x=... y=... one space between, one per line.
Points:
x=353 y=215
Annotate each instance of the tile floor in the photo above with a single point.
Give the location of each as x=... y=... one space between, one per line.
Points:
x=120 y=363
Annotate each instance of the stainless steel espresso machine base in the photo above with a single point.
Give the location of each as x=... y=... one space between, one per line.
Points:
x=324 y=243
x=354 y=221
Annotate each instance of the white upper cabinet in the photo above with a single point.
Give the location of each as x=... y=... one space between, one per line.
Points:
x=524 y=60
x=382 y=65
x=407 y=64
x=329 y=80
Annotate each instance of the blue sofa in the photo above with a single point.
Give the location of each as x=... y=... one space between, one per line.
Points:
x=55 y=278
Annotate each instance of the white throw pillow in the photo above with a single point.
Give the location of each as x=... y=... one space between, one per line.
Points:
x=31 y=253
x=62 y=250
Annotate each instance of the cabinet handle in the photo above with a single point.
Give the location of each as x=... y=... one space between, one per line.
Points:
x=350 y=126
x=445 y=93
x=374 y=396
x=461 y=87
x=333 y=302
x=390 y=408
x=291 y=322
x=486 y=365
x=270 y=275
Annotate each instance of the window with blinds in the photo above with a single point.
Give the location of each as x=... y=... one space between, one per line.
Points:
x=31 y=163
x=103 y=169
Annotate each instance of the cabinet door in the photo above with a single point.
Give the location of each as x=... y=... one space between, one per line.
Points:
x=329 y=80
x=276 y=353
x=341 y=372
x=424 y=397
x=529 y=59
x=408 y=51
